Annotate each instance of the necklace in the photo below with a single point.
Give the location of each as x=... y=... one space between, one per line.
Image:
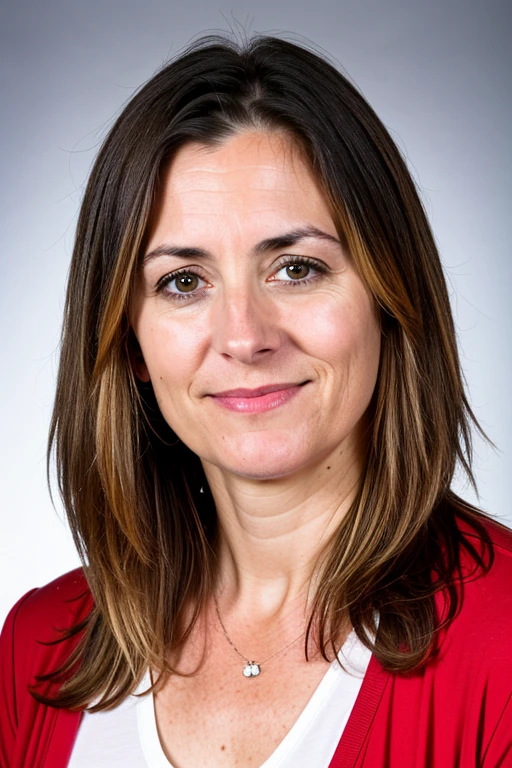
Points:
x=251 y=668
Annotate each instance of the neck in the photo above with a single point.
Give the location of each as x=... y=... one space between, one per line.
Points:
x=272 y=532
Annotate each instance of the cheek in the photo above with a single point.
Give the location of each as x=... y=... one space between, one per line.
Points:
x=345 y=338
x=344 y=333
x=172 y=351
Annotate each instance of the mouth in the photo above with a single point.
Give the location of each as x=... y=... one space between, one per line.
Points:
x=257 y=400
x=258 y=391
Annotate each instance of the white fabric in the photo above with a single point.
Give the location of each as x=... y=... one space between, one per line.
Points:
x=127 y=736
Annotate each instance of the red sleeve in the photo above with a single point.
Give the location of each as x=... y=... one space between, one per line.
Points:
x=32 y=734
x=8 y=704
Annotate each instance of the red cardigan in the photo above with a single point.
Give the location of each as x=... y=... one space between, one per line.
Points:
x=455 y=713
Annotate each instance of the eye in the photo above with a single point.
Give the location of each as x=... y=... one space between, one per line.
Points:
x=297 y=269
x=186 y=283
x=179 y=284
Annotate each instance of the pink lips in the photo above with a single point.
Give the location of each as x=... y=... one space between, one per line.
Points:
x=257 y=400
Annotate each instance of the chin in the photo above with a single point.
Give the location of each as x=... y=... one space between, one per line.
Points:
x=267 y=459
x=264 y=473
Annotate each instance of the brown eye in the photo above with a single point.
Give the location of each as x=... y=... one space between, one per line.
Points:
x=297 y=271
x=180 y=285
x=186 y=283
x=300 y=270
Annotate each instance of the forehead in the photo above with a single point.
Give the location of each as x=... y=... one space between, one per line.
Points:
x=248 y=176
x=263 y=156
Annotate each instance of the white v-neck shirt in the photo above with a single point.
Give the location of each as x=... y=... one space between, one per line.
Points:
x=127 y=736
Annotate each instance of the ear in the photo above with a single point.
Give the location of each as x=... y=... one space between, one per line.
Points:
x=137 y=359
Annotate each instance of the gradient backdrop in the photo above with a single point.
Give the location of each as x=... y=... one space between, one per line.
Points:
x=437 y=73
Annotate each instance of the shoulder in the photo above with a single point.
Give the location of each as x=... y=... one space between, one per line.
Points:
x=35 y=624
x=498 y=579
x=500 y=534
x=457 y=708
x=34 y=642
x=56 y=604
x=42 y=611
x=484 y=621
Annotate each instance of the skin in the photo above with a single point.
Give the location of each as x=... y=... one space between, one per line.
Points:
x=283 y=479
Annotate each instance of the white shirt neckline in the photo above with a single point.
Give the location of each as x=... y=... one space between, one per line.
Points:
x=354 y=657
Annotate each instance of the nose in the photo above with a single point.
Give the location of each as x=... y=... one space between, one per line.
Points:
x=245 y=325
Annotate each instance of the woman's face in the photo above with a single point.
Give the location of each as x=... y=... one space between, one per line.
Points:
x=230 y=297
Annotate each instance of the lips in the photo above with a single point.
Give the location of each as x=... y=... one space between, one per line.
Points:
x=243 y=393
x=259 y=400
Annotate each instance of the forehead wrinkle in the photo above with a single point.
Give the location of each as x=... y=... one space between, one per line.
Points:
x=269 y=173
x=284 y=191
x=237 y=167
x=208 y=214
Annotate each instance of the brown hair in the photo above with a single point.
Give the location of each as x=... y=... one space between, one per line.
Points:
x=130 y=487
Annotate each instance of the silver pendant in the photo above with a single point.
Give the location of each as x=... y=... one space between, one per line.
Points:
x=251 y=669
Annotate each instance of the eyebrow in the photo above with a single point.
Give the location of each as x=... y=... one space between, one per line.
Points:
x=269 y=244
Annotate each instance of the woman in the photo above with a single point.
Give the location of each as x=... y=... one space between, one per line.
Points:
x=259 y=412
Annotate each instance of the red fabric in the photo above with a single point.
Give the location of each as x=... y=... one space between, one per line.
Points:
x=32 y=735
x=455 y=713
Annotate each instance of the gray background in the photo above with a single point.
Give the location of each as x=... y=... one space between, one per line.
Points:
x=438 y=75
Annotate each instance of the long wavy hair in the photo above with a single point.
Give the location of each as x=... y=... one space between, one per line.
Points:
x=130 y=488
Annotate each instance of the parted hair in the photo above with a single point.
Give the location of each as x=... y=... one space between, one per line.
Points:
x=130 y=487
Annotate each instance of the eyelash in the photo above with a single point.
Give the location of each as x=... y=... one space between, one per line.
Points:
x=167 y=279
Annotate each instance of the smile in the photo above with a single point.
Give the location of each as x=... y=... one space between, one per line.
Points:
x=258 y=400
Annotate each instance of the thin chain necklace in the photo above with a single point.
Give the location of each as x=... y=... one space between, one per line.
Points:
x=251 y=668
